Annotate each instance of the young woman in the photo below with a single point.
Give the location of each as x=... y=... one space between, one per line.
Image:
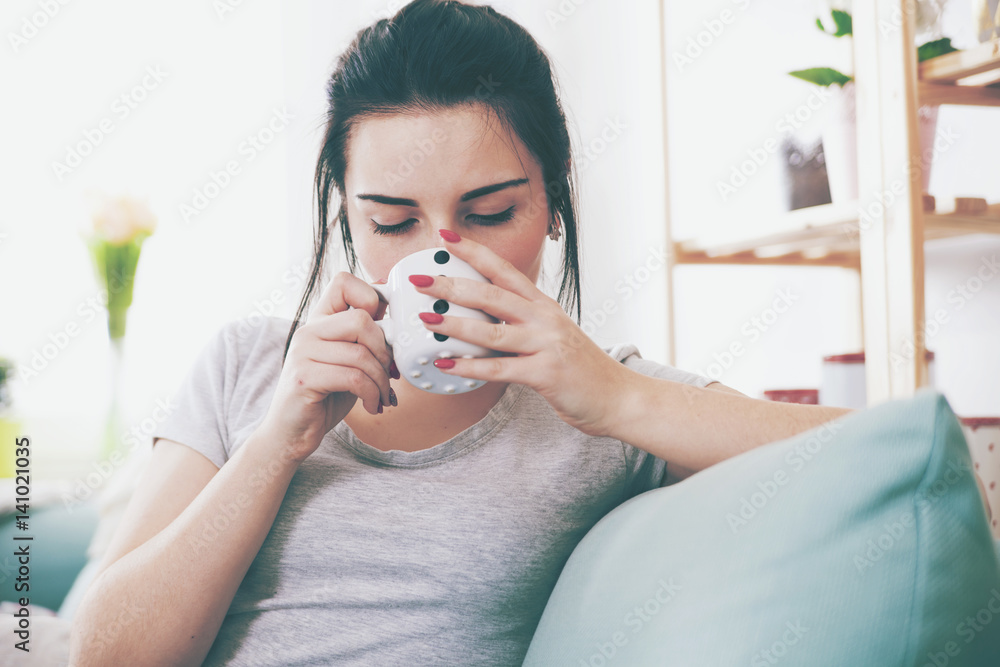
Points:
x=304 y=505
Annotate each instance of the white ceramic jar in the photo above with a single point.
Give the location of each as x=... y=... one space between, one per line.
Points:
x=843 y=380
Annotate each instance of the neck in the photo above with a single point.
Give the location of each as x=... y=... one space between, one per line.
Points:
x=422 y=419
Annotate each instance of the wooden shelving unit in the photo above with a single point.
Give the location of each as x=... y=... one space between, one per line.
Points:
x=887 y=249
x=825 y=236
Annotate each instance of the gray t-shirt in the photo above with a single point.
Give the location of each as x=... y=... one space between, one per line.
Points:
x=444 y=556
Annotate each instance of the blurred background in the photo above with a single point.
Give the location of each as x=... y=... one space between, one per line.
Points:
x=211 y=112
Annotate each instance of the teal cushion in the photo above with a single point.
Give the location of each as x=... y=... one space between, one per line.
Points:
x=860 y=542
x=57 y=553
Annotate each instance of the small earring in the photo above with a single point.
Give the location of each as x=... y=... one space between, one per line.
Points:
x=555 y=233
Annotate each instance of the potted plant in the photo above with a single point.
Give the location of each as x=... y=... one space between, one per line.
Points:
x=10 y=427
x=840 y=127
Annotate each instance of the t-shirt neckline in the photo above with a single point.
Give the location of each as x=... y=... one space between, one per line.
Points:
x=454 y=446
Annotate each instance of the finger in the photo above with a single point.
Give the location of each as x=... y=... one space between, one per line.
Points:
x=500 y=337
x=494 y=268
x=352 y=357
x=491 y=369
x=489 y=298
x=324 y=342
x=333 y=379
x=347 y=291
x=354 y=326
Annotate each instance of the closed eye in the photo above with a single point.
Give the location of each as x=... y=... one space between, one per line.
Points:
x=392 y=230
x=494 y=219
x=484 y=220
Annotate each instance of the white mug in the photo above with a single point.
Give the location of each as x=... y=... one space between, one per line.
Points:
x=414 y=347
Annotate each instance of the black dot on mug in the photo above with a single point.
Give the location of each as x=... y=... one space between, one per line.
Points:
x=440 y=337
x=442 y=257
x=441 y=306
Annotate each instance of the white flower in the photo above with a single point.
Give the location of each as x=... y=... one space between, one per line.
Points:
x=121 y=219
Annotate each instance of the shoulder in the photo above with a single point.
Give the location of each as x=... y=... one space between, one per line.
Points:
x=628 y=354
x=253 y=335
x=249 y=351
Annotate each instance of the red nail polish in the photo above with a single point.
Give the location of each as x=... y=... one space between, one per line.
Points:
x=421 y=281
x=444 y=363
x=393 y=370
x=432 y=318
x=449 y=236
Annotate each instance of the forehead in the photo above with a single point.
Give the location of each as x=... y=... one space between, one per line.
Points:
x=456 y=147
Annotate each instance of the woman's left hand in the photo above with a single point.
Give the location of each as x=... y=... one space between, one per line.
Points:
x=553 y=355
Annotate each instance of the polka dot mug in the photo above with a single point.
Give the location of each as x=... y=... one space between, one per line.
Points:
x=414 y=347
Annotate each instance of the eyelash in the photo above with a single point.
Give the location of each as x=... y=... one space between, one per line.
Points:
x=484 y=220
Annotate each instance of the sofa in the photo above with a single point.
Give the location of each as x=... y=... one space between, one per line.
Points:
x=863 y=541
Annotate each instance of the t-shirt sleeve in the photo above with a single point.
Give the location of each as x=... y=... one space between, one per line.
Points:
x=199 y=416
x=644 y=471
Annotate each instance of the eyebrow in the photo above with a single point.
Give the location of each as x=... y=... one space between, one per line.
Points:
x=471 y=194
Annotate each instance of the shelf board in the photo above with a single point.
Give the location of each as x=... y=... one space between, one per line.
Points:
x=968 y=77
x=937 y=94
x=954 y=67
x=824 y=236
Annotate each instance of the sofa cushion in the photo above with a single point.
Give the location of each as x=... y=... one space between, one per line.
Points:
x=863 y=541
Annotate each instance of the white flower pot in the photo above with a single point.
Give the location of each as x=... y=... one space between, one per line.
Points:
x=840 y=143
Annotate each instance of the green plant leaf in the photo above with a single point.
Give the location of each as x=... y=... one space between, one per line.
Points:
x=822 y=76
x=842 y=21
x=938 y=47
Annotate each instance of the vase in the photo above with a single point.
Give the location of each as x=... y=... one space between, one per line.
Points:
x=840 y=144
x=113 y=429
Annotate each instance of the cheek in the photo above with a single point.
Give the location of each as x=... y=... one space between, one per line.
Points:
x=524 y=252
x=378 y=256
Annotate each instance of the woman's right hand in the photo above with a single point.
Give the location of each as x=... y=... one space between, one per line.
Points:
x=338 y=356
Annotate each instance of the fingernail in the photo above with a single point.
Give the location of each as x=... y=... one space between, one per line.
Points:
x=392 y=398
x=421 y=281
x=449 y=236
x=432 y=318
x=380 y=406
x=393 y=370
x=444 y=363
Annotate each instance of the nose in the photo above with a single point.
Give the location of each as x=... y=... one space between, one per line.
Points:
x=435 y=230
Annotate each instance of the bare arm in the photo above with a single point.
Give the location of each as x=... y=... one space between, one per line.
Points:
x=694 y=428
x=163 y=601
x=777 y=421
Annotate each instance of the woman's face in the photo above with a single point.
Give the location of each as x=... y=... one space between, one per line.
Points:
x=410 y=175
